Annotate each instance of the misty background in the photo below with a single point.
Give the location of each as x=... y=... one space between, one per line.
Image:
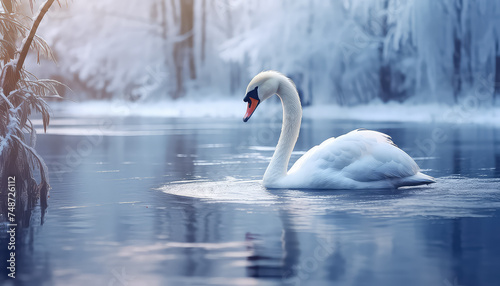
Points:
x=347 y=52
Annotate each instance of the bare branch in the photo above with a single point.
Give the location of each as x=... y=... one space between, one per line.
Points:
x=27 y=42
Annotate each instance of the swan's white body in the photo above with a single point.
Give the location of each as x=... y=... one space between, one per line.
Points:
x=360 y=159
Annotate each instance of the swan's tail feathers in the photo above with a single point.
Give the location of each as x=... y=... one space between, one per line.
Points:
x=415 y=180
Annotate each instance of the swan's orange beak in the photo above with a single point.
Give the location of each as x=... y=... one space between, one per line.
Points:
x=253 y=100
x=252 y=105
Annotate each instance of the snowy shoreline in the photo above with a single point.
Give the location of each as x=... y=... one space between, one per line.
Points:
x=235 y=108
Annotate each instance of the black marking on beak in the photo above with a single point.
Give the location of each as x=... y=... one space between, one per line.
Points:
x=253 y=94
x=253 y=100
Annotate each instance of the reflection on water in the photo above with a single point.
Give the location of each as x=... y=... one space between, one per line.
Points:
x=452 y=197
x=179 y=202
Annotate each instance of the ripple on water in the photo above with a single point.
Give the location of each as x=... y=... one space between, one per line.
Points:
x=449 y=197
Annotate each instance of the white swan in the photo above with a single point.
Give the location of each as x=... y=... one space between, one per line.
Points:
x=360 y=159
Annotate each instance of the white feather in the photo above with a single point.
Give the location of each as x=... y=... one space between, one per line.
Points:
x=358 y=159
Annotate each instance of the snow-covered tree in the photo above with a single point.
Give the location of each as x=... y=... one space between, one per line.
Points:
x=20 y=95
x=345 y=52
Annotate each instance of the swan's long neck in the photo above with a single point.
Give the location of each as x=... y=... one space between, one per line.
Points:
x=292 y=115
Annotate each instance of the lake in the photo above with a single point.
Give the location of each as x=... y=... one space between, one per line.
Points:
x=177 y=201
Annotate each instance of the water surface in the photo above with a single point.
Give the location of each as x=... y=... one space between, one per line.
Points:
x=158 y=201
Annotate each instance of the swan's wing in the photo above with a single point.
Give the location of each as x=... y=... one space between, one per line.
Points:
x=360 y=155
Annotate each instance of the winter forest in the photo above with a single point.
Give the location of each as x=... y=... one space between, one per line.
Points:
x=343 y=52
x=132 y=151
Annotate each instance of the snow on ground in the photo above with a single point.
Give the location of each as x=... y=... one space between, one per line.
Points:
x=235 y=108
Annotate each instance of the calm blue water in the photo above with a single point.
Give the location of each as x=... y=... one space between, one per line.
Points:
x=145 y=201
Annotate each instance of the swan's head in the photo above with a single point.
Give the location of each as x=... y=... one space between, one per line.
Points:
x=261 y=87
